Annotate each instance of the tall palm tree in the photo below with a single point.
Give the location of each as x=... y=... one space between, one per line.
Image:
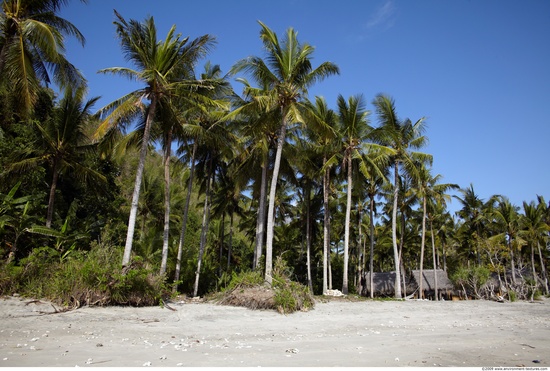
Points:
x=401 y=138
x=32 y=49
x=507 y=217
x=431 y=192
x=256 y=128
x=373 y=184
x=62 y=142
x=354 y=128
x=205 y=106
x=474 y=216
x=534 y=229
x=288 y=72
x=159 y=64
x=323 y=121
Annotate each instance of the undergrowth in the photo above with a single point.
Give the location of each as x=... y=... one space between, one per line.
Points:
x=82 y=278
x=248 y=289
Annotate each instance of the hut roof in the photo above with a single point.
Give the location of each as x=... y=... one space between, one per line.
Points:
x=443 y=282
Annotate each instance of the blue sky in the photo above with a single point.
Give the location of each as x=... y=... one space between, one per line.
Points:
x=478 y=70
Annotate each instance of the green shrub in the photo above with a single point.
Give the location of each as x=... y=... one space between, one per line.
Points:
x=83 y=278
x=248 y=289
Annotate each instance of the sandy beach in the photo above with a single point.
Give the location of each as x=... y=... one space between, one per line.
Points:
x=335 y=333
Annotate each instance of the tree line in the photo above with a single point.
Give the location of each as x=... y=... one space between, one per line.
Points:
x=197 y=179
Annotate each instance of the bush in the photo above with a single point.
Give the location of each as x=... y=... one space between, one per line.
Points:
x=83 y=278
x=471 y=279
x=248 y=289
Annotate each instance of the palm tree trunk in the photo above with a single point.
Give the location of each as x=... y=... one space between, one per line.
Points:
x=230 y=241
x=308 y=240
x=422 y=244
x=346 y=231
x=260 y=223
x=371 y=263
x=205 y=221
x=137 y=183
x=512 y=262
x=185 y=215
x=165 y=234
x=434 y=262
x=51 y=199
x=326 y=221
x=222 y=237
x=543 y=269
x=534 y=272
x=271 y=207
x=397 y=284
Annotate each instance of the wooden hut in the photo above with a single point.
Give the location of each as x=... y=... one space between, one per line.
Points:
x=445 y=287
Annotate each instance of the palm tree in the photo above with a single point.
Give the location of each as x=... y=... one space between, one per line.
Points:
x=474 y=215
x=257 y=129
x=159 y=65
x=288 y=73
x=400 y=138
x=323 y=121
x=354 y=130
x=32 y=49
x=534 y=229
x=432 y=193
x=373 y=184
x=507 y=217
x=62 y=142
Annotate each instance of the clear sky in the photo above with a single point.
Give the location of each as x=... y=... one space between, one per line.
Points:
x=478 y=70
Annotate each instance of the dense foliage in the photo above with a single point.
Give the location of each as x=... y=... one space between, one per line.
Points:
x=206 y=178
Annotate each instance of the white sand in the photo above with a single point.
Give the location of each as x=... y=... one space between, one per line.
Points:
x=370 y=333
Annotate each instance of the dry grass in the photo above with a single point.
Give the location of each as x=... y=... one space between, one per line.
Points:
x=256 y=297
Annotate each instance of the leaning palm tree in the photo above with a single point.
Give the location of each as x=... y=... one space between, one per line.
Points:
x=62 y=142
x=32 y=49
x=159 y=64
x=288 y=73
x=401 y=138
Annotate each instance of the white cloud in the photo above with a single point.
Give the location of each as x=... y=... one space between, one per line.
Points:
x=383 y=17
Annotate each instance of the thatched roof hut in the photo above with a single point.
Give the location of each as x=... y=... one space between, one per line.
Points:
x=383 y=283
x=444 y=284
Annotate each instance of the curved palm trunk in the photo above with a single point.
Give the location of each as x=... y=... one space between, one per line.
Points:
x=434 y=262
x=326 y=222
x=260 y=223
x=271 y=207
x=51 y=199
x=205 y=221
x=137 y=183
x=185 y=215
x=421 y=278
x=371 y=263
x=165 y=234
x=397 y=283
x=346 y=232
